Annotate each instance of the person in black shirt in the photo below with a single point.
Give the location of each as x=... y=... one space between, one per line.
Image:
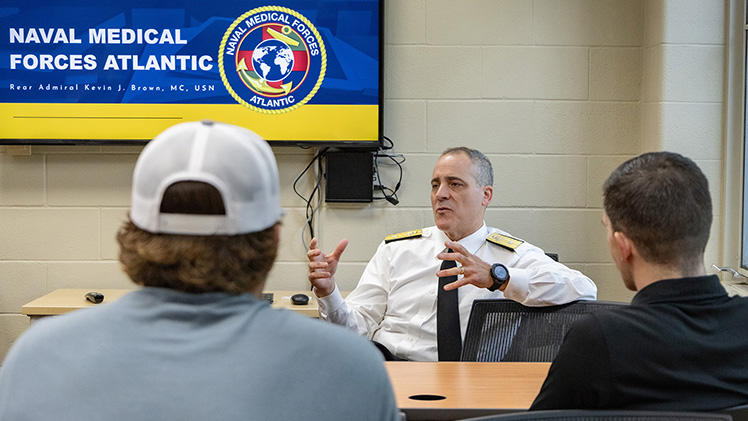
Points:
x=682 y=343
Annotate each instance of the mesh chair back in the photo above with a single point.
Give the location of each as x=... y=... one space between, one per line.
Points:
x=505 y=330
x=609 y=415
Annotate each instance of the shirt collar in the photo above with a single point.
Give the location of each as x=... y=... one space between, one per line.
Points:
x=697 y=288
x=473 y=241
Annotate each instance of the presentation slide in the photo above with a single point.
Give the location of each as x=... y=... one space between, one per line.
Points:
x=118 y=71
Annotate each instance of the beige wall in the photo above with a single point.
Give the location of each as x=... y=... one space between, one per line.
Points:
x=683 y=96
x=556 y=92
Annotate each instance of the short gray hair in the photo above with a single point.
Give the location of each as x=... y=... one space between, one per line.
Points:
x=483 y=168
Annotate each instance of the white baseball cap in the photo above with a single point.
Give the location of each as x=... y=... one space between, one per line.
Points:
x=234 y=160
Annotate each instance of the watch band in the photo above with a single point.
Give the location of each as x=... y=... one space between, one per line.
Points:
x=498 y=281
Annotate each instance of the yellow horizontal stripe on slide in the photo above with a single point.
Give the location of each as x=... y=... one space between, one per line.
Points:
x=144 y=121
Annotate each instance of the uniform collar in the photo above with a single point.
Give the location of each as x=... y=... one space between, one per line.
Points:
x=473 y=241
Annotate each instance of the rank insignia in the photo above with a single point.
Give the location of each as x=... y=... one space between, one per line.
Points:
x=403 y=236
x=509 y=243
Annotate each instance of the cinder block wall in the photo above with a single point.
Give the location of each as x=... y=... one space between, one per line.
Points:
x=683 y=94
x=556 y=92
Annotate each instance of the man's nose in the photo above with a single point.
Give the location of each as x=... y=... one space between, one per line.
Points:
x=442 y=191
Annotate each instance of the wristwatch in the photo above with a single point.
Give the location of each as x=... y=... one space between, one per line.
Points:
x=500 y=276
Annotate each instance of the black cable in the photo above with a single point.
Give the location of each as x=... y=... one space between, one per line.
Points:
x=392 y=195
x=386 y=148
x=309 y=206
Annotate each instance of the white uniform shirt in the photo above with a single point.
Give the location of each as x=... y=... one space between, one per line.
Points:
x=395 y=300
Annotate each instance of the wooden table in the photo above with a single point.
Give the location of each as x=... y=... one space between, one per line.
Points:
x=64 y=300
x=469 y=389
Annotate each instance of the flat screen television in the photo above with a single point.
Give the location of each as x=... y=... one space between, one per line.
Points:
x=296 y=72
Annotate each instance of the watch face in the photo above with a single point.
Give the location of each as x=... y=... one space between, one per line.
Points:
x=500 y=272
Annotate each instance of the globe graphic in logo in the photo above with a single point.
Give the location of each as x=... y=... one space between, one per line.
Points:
x=272 y=60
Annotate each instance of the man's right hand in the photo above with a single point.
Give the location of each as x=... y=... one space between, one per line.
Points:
x=322 y=267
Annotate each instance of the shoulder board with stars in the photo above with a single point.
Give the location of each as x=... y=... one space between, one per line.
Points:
x=509 y=243
x=403 y=236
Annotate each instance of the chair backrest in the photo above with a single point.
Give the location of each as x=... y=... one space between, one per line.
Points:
x=505 y=330
x=609 y=415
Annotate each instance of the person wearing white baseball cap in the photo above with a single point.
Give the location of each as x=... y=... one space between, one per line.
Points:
x=196 y=342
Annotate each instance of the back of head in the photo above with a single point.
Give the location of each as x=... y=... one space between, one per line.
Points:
x=661 y=201
x=205 y=203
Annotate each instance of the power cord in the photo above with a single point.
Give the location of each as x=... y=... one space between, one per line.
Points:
x=311 y=208
x=388 y=194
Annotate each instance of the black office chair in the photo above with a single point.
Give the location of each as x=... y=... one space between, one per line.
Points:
x=609 y=415
x=505 y=330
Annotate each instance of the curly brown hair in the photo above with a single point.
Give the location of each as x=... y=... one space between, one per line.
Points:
x=192 y=263
x=198 y=264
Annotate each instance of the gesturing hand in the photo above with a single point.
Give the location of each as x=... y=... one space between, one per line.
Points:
x=322 y=267
x=474 y=270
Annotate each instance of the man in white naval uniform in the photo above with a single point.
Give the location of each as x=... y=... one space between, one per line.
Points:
x=395 y=302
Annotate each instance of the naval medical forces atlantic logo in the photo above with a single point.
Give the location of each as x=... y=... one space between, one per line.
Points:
x=272 y=60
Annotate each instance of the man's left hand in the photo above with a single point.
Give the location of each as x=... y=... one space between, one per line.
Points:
x=474 y=270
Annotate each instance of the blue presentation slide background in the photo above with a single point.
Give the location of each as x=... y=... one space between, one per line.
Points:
x=349 y=30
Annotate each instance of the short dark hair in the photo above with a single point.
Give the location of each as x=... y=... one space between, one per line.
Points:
x=483 y=167
x=233 y=264
x=661 y=201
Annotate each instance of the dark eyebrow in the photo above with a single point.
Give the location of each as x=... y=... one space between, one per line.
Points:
x=449 y=180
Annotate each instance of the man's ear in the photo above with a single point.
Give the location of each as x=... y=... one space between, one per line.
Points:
x=624 y=244
x=487 y=195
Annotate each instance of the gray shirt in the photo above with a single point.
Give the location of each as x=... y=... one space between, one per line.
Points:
x=162 y=354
